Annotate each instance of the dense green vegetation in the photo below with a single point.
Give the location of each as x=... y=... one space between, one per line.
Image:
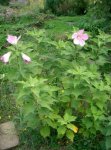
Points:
x=97 y=8
x=61 y=100
x=4 y=2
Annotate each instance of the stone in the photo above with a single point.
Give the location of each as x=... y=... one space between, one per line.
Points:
x=8 y=136
x=19 y=1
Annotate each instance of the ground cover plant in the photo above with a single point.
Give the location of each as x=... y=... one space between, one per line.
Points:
x=59 y=87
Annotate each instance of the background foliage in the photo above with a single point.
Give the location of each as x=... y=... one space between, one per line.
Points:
x=97 y=8
x=4 y=2
x=66 y=7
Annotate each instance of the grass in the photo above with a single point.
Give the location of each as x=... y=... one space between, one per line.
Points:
x=59 y=26
x=7 y=104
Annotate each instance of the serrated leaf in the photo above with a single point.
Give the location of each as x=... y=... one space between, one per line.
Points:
x=72 y=127
x=108 y=142
x=70 y=135
x=68 y=117
x=108 y=133
x=51 y=123
x=100 y=105
x=32 y=120
x=28 y=108
x=61 y=130
x=45 y=131
x=88 y=123
x=77 y=92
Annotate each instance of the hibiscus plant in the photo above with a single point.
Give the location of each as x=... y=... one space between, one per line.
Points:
x=63 y=85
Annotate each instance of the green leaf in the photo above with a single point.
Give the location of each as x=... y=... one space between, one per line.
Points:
x=100 y=105
x=77 y=92
x=108 y=131
x=2 y=76
x=101 y=60
x=108 y=142
x=32 y=121
x=88 y=122
x=68 y=117
x=51 y=123
x=72 y=127
x=45 y=131
x=61 y=130
x=61 y=121
x=70 y=135
x=28 y=108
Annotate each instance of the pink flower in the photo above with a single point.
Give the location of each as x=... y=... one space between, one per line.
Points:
x=79 y=38
x=26 y=58
x=5 y=57
x=13 y=39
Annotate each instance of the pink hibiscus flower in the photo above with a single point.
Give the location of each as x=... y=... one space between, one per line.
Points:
x=13 y=39
x=26 y=58
x=79 y=38
x=5 y=57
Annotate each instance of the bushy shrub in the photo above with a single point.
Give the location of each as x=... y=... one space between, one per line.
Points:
x=4 y=2
x=99 y=8
x=98 y=15
x=65 y=88
x=66 y=7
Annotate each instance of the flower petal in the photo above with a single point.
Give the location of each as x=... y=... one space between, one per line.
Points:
x=13 y=39
x=74 y=36
x=85 y=37
x=81 y=31
x=81 y=42
x=5 y=57
x=26 y=58
x=76 y=41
